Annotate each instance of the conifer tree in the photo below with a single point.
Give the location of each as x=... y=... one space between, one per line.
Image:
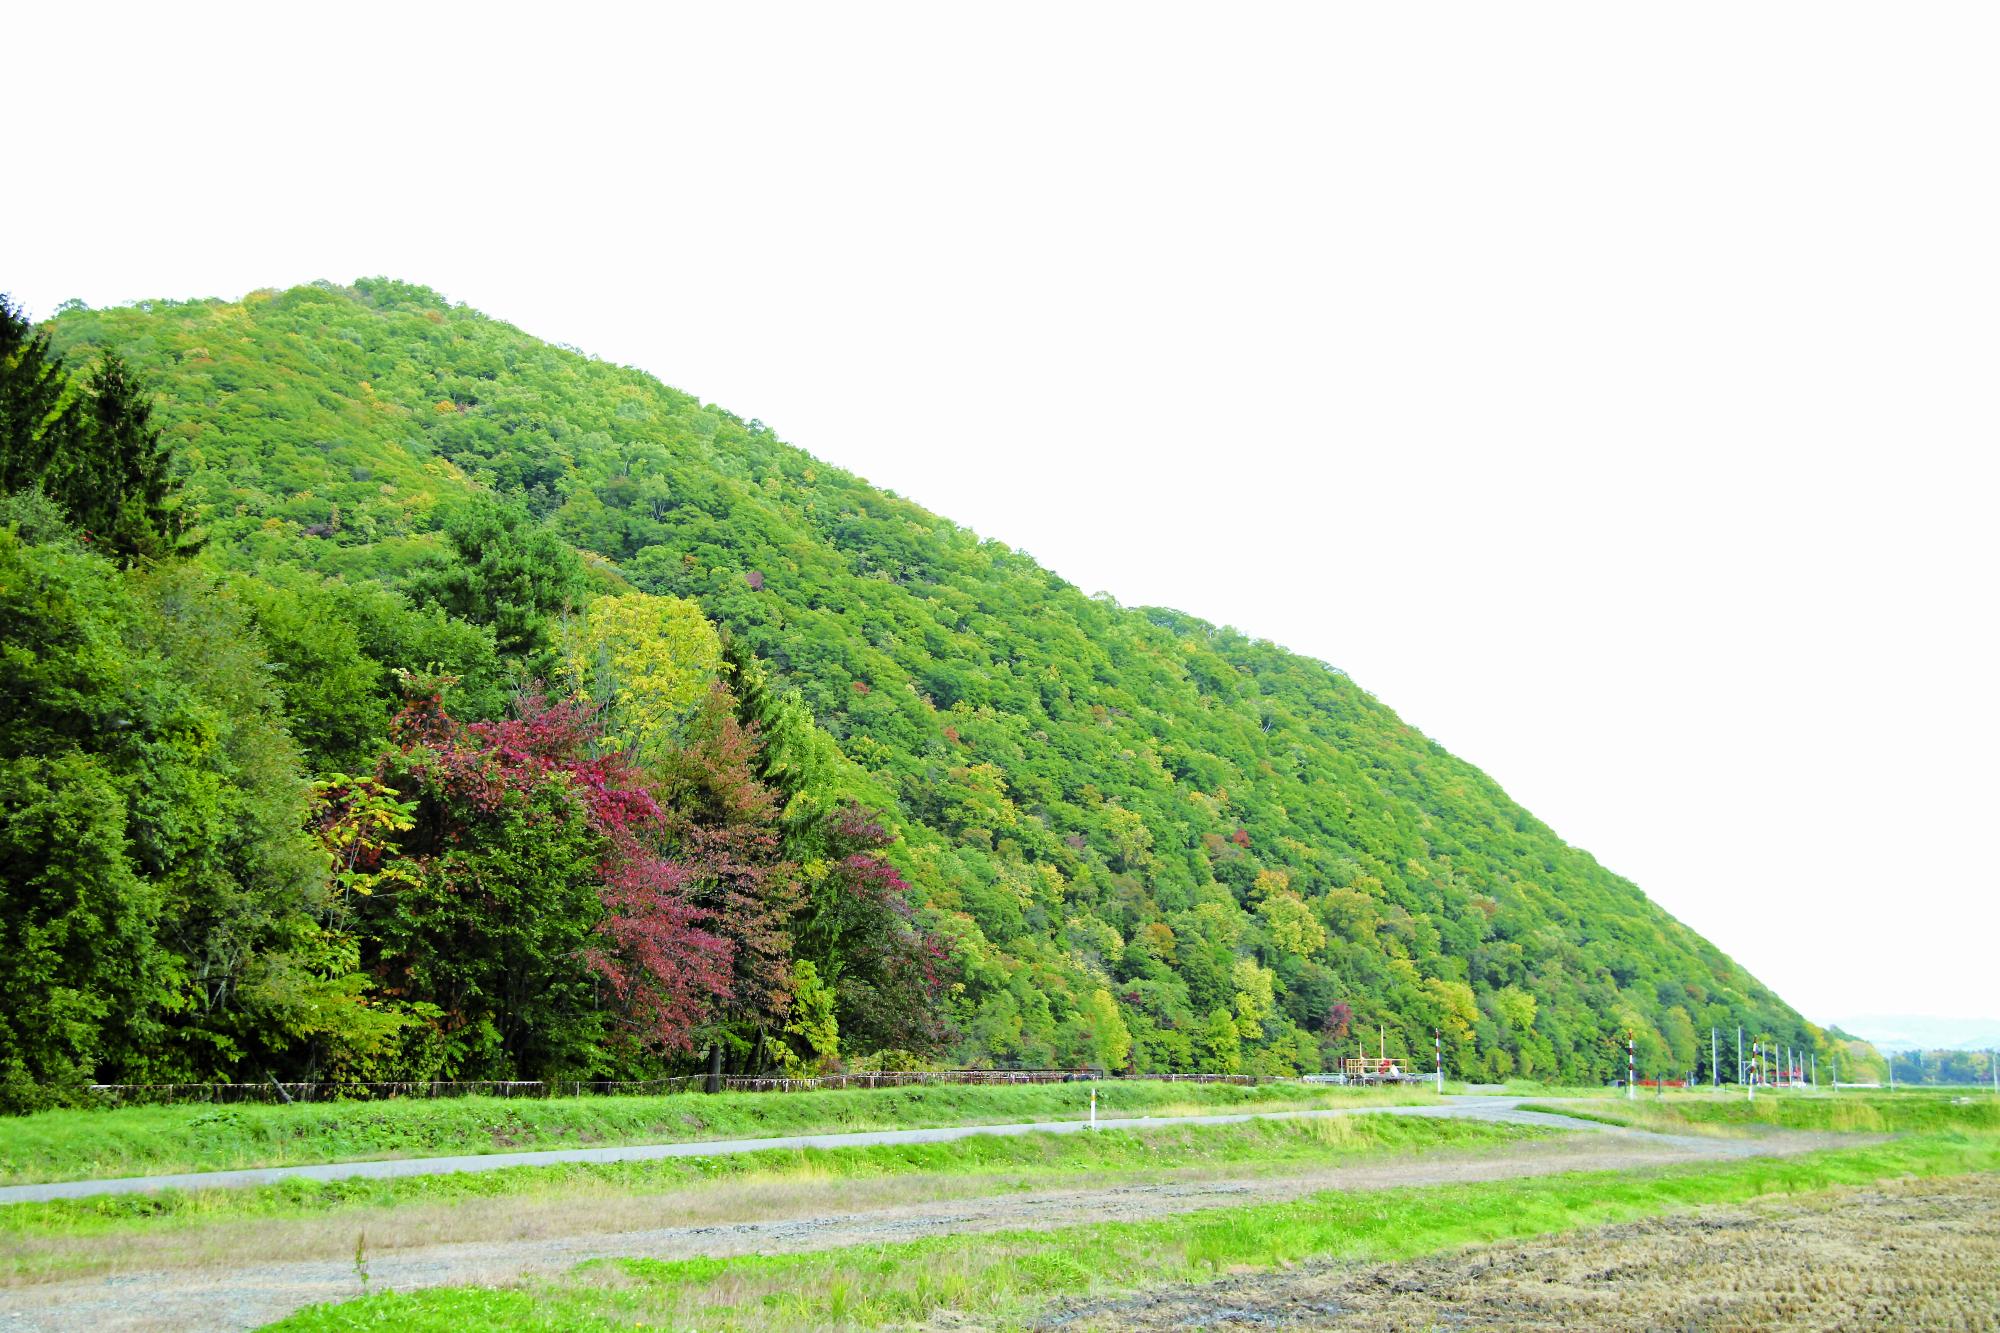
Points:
x=95 y=452
x=38 y=419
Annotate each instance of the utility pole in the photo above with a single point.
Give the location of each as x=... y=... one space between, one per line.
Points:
x=1714 y=1060
x=1739 y=1052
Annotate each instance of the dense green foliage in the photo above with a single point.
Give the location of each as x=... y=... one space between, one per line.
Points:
x=1129 y=838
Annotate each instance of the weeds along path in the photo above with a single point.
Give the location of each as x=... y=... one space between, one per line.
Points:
x=235 y=1291
x=1490 y=1108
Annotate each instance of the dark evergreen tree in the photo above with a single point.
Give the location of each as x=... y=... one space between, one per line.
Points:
x=510 y=572
x=119 y=488
x=96 y=452
x=39 y=421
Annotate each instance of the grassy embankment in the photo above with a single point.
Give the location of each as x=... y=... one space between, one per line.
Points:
x=302 y=1218
x=151 y=1140
x=1847 y=1113
x=1010 y=1277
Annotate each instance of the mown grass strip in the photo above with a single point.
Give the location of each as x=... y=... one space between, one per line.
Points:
x=1853 y=1113
x=1007 y=1277
x=149 y=1140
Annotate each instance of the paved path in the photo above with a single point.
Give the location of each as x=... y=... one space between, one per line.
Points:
x=1481 y=1108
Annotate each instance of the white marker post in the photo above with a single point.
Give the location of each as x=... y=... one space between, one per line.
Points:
x=1437 y=1038
x=1093 y=1108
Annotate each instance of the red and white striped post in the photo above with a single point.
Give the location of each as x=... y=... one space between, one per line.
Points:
x=1437 y=1039
x=1631 y=1068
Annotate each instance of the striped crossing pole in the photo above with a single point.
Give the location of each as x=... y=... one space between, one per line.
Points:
x=1437 y=1039
x=1630 y=1070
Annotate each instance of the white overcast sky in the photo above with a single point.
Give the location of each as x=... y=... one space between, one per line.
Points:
x=1610 y=389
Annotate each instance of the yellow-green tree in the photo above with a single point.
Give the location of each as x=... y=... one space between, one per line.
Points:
x=1256 y=997
x=1107 y=1042
x=1292 y=926
x=647 y=661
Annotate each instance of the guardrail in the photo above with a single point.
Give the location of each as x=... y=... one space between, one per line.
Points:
x=157 y=1094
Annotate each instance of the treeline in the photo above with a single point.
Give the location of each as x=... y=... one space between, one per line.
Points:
x=468 y=823
x=1139 y=841
x=1944 y=1068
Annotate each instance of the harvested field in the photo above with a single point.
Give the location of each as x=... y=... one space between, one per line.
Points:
x=1921 y=1254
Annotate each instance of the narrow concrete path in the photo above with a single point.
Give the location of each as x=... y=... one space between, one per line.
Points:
x=1476 y=1107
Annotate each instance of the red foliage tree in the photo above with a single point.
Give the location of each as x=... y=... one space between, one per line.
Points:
x=721 y=823
x=658 y=951
x=862 y=932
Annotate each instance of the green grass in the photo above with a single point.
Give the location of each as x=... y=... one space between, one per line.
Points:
x=1008 y=1277
x=1015 y=1161
x=149 y=1140
x=1854 y=1113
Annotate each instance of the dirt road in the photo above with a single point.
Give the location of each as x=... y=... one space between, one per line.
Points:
x=242 y=1288
x=1905 y=1254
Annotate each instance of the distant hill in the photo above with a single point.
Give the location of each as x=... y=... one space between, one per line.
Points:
x=1918 y=1032
x=1123 y=817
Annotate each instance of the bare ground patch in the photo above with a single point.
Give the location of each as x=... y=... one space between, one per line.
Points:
x=1921 y=1254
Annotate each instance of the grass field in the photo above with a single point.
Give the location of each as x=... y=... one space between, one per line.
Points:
x=39 y=1241
x=1846 y=1112
x=1008 y=1278
x=147 y=1140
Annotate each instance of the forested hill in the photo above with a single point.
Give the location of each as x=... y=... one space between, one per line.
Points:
x=1145 y=841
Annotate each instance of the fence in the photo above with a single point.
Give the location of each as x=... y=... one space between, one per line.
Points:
x=159 y=1094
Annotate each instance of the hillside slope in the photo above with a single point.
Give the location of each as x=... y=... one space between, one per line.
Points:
x=1134 y=823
